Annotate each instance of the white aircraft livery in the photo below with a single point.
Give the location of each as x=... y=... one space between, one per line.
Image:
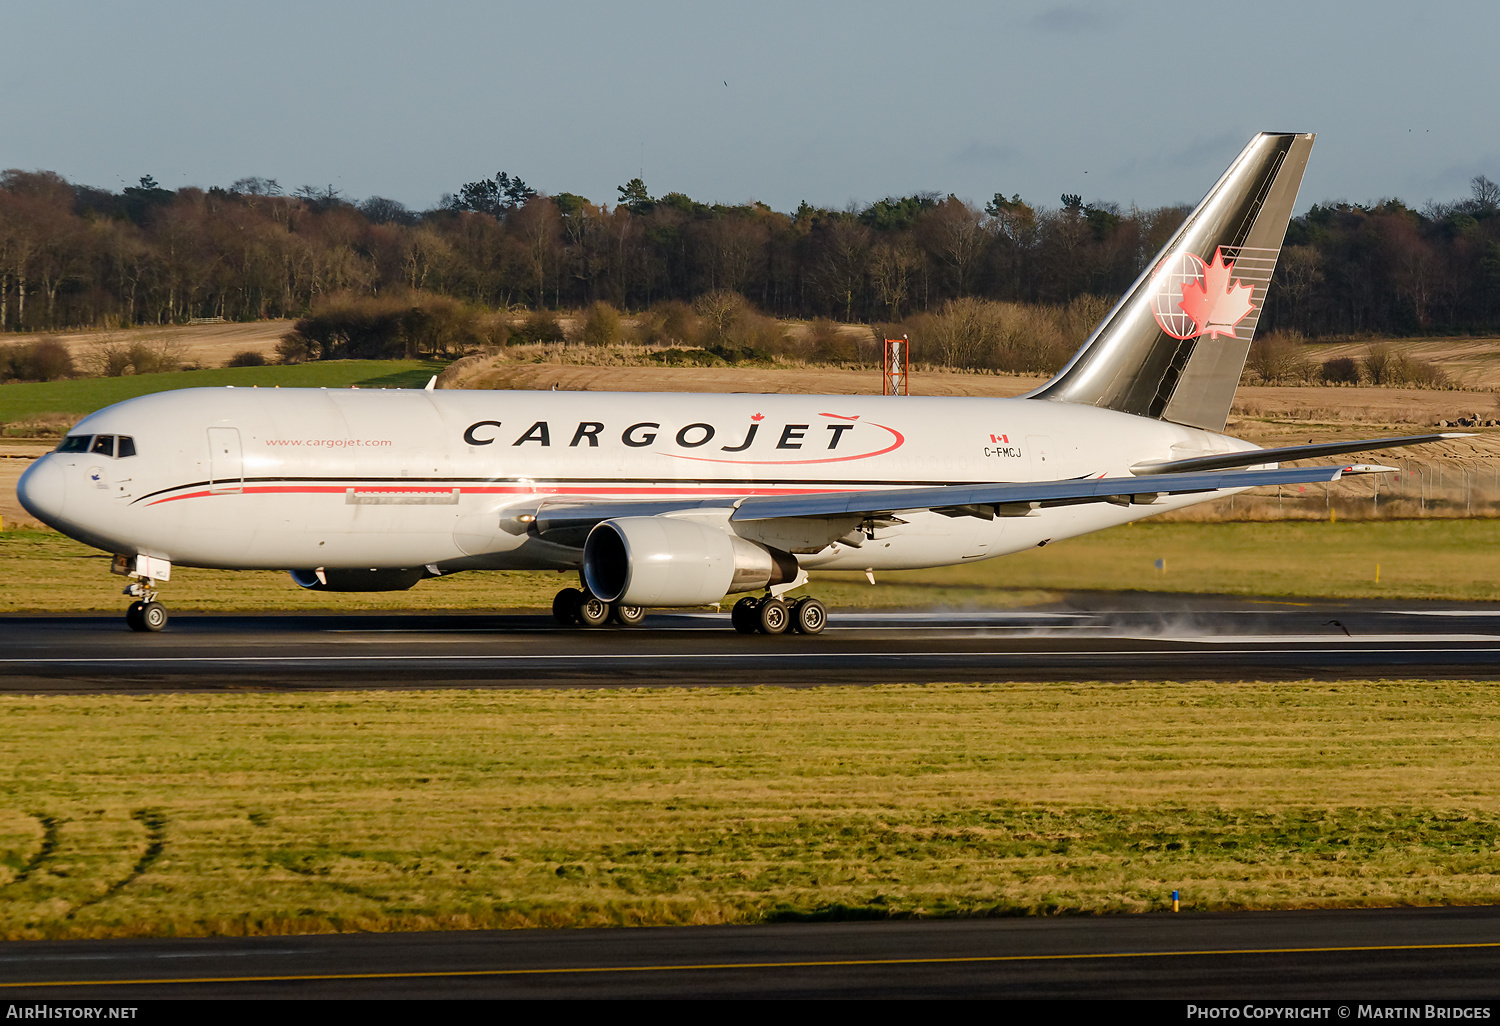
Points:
x=666 y=500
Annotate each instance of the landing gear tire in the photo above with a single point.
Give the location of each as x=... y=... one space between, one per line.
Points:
x=627 y=616
x=565 y=606
x=772 y=616
x=743 y=615
x=809 y=616
x=591 y=610
x=133 y=616
x=153 y=617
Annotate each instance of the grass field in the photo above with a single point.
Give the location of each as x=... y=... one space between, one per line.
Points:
x=273 y=813
x=22 y=401
x=1454 y=560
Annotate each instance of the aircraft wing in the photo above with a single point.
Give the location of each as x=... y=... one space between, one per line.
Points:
x=1285 y=454
x=1018 y=499
x=568 y=521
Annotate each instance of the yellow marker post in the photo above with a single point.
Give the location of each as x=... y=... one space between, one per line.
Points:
x=1377 y=573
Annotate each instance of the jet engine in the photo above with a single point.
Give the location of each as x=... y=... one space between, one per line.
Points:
x=665 y=561
x=358 y=580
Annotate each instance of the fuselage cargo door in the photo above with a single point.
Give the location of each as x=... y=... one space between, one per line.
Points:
x=226 y=464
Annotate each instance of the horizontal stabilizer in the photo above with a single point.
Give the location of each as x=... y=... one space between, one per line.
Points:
x=1285 y=454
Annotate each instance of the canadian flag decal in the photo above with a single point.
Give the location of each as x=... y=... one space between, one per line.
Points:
x=1194 y=299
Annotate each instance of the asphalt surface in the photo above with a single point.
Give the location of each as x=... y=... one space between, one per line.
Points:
x=1328 y=957
x=1450 y=954
x=1090 y=637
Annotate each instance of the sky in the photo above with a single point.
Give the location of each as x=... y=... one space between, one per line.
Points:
x=830 y=103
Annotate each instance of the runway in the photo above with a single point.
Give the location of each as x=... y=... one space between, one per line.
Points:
x=1323 y=957
x=1088 y=637
x=1328 y=957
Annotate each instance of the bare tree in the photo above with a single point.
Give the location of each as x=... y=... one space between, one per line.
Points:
x=1486 y=194
x=730 y=246
x=955 y=234
x=257 y=186
x=891 y=267
x=537 y=223
x=843 y=247
x=1298 y=273
x=425 y=248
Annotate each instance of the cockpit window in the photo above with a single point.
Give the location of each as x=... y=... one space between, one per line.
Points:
x=118 y=446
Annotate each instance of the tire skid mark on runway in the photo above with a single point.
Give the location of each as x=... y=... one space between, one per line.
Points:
x=721 y=966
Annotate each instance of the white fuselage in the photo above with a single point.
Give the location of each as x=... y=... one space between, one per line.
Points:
x=244 y=478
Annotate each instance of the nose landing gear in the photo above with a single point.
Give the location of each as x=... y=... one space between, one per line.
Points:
x=146 y=616
x=145 y=613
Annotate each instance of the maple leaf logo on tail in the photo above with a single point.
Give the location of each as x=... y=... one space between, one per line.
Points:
x=1192 y=298
x=1214 y=302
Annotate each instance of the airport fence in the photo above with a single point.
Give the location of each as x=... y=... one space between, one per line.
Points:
x=1449 y=487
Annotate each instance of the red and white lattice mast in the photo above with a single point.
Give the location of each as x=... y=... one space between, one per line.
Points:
x=897 y=363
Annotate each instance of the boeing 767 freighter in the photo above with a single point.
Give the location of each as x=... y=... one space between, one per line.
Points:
x=676 y=499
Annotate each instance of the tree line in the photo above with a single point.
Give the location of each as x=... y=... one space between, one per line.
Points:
x=76 y=256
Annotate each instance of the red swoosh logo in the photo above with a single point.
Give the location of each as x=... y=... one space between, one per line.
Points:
x=900 y=440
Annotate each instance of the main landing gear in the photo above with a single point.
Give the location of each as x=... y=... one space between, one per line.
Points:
x=574 y=607
x=771 y=615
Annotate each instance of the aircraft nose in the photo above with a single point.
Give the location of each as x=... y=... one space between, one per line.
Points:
x=43 y=490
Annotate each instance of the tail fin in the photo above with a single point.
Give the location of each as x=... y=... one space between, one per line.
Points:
x=1174 y=347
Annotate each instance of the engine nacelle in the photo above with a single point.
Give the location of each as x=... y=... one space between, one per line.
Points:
x=664 y=561
x=358 y=580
